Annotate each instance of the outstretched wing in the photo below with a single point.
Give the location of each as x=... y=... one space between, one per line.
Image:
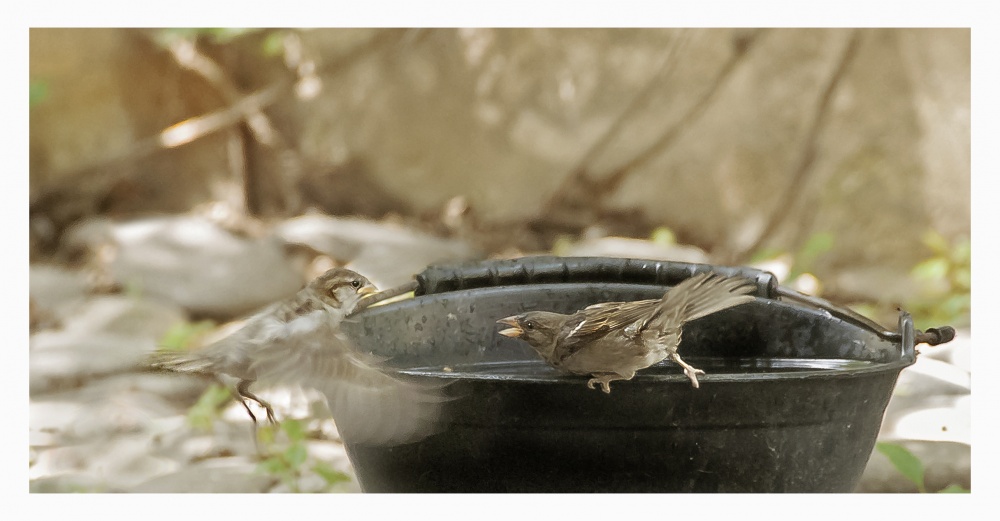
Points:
x=696 y=297
x=369 y=403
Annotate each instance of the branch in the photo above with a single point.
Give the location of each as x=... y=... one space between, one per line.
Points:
x=802 y=166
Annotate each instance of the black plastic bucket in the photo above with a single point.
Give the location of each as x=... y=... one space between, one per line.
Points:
x=792 y=398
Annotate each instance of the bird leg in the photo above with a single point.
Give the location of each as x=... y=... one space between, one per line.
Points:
x=244 y=391
x=605 y=381
x=690 y=371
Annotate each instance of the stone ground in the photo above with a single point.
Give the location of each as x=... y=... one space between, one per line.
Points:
x=99 y=422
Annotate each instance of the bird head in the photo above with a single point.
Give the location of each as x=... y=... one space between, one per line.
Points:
x=538 y=328
x=341 y=288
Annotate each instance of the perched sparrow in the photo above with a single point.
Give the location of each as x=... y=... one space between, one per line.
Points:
x=613 y=340
x=299 y=342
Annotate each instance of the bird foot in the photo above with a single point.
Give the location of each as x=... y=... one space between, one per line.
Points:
x=270 y=412
x=689 y=371
x=605 y=381
x=692 y=375
x=604 y=385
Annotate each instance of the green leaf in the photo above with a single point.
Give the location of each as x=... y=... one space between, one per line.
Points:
x=817 y=244
x=962 y=252
x=765 y=254
x=37 y=92
x=329 y=474
x=954 y=489
x=962 y=278
x=562 y=245
x=663 y=236
x=296 y=455
x=865 y=309
x=905 y=462
x=272 y=465
x=273 y=44
x=294 y=430
x=201 y=415
x=931 y=269
x=182 y=335
x=265 y=435
x=936 y=242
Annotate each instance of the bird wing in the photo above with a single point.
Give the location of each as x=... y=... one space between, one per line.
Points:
x=598 y=319
x=370 y=405
x=696 y=297
x=595 y=321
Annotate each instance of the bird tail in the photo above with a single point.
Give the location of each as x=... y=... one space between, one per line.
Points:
x=704 y=294
x=180 y=361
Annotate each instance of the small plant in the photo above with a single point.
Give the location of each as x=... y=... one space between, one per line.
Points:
x=202 y=415
x=945 y=281
x=289 y=460
x=38 y=91
x=801 y=264
x=273 y=43
x=911 y=467
x=183 y=335
x=817 y=245
x=663 y=236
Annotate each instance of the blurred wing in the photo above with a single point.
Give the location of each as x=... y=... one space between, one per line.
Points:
x=370 y=405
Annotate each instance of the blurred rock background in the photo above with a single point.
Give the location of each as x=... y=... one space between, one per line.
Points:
x=179 y=176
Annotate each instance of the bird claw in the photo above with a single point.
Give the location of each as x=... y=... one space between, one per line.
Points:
x=689 y=371
x=270 y=414
x=603 y=380
x=692 y=375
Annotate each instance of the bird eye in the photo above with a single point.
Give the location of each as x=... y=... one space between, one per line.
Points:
x=529 y=325
x=355 y=284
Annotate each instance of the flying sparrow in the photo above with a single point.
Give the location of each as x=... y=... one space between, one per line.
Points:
x=612 y=340
x=299 y=342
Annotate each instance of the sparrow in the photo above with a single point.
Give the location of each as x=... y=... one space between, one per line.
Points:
x=612 y=340
x=299 y=342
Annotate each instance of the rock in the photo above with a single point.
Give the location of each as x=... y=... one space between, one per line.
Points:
x=217 y=475
x=929 y=418
x=388 y=254
x=70 y=482
x=945 y=463
x=929 y=377
x=872 y=284
x=958 y=352
x=635 y=249
x=194 y=262
x=54 y=289
x=844 y=123
x=102 y=335
x=110 y=406
x=61 y=359
x=90 y=133
x=124 y=316
x=118 y=462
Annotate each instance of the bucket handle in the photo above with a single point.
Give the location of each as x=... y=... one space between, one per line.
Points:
x=554 y=270
x=551 y=269
x=933 y=336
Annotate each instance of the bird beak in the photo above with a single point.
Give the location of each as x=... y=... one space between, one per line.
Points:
x=367 y=290
x=514 y=331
